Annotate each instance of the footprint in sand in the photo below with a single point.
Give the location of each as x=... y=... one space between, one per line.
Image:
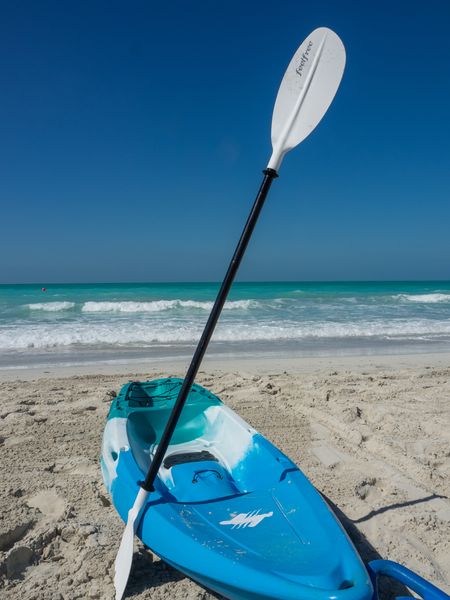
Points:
x=17 y=557
x=48 y=503
x=365 y=489
x=17 y=561
x=15 y=534
x=91 y=470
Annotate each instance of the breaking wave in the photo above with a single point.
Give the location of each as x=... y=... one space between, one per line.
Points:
x=425 y=298
x=108 y=334
x=160 y=305
x=51 y=306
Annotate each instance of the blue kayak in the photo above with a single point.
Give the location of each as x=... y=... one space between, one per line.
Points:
x=229 y=509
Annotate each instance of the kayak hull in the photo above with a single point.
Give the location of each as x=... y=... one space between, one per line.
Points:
x=229 y=509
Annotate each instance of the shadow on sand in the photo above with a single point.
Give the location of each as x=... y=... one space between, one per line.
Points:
x=384 y=509
x=387 y=588
x=149 y=572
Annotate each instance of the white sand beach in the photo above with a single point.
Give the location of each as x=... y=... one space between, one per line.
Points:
x=372 y=433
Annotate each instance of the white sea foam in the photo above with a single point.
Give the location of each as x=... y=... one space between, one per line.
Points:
x=51 y=306
x=161 y=305
x=425 y=298
x=145 y=334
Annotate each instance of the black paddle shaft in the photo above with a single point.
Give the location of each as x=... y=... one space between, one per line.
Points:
x=269 y=176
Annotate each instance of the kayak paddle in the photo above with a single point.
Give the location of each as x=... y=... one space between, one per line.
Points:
x=306 y=91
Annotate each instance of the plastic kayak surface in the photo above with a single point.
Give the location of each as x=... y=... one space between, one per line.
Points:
x=229 y=509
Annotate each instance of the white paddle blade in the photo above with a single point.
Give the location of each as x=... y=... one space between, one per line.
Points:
x=306 y=91
x=124 y=556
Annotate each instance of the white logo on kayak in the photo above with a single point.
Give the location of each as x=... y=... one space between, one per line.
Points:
x=250 y=519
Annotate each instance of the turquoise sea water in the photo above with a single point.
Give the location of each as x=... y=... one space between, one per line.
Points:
x=76 y=323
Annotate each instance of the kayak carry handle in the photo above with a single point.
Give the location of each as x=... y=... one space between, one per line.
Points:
x=415 y=582
x=197 y=473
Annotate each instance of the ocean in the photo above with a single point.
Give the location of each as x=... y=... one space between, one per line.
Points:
x=75 y=324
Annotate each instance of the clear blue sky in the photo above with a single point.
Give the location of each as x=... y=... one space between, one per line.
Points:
x=133 y=134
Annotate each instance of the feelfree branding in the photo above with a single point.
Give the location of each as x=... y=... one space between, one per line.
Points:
x=304 y=59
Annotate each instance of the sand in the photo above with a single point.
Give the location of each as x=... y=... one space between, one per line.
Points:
x=371 y=433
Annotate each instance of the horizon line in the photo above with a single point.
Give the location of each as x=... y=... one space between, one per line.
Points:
x=259 y=281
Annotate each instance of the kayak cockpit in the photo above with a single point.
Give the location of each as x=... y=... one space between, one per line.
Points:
x=213 y=453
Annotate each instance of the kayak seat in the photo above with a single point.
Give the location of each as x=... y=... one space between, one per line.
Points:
x=144 y=430
x=179 y=458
